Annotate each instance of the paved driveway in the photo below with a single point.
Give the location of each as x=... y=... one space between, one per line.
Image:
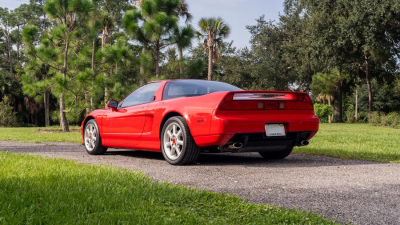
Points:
x=345 y=190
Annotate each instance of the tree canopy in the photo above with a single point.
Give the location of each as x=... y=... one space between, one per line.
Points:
x=60 y=59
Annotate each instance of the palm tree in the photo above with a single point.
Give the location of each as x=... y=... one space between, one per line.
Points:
x=131 y=22
x=322 y=97
x=214 y=30
x=155 y=25
x=105 y=18
x=181 y=11
x=183 y=38
x=159 y=22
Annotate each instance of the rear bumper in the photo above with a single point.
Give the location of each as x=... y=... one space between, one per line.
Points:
x=250 y=131
x=258 y=142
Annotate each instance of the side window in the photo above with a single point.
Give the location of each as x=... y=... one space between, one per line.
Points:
x=176 y=90
x=142 y=95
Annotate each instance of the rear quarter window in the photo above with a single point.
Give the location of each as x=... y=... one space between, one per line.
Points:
x=191 y=88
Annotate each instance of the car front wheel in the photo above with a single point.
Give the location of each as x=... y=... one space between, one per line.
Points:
x=92 y=139
x=177 y=144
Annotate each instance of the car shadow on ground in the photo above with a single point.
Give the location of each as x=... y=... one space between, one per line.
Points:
x=248 y=159
x=136 y=154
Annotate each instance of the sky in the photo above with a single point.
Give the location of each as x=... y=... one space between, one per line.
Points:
x=236 y=13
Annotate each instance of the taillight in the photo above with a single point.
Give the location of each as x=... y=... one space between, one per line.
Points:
x=266 y=101
x=309 y=101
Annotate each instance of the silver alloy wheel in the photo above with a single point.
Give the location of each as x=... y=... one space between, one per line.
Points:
x=90 y=137
x=173 y=141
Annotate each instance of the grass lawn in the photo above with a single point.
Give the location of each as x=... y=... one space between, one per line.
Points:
x=349 y=141
x=38 y=190
x=43 y=134
x=355 y=141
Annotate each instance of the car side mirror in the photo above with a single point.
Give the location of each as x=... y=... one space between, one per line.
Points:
x=112 y=104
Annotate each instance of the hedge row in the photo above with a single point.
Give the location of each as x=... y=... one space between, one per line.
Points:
x=390 y=120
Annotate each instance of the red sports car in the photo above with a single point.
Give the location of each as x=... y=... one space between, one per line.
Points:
x=182 y=118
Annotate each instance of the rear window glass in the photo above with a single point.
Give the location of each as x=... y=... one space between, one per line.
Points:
x=190 y=88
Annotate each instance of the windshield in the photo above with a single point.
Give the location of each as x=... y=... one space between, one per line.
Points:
x=190 y=88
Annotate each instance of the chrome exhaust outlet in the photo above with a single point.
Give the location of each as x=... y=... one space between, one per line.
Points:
x=236 y=145
x=304 y=143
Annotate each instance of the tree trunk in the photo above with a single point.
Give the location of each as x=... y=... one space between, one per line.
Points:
x=18 y=44
x=87 y=97
x=157 y=58
x=142 y=66
x=87 y=102
x=370 y=109
x=63 y=118
x=9 y=47
x=106 y=90
x=337 y=105
x=180 y=61
x=93 y=53
x=104 y=38
x=210 y=53
x=356 y=115
x=329 y=103
x=47 y=109
x=105 y=97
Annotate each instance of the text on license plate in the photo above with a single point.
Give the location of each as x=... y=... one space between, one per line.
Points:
x=275 y=130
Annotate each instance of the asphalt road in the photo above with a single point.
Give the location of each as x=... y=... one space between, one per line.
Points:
x=344 y=190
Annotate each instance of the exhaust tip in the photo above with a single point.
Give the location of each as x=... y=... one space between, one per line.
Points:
x=304 y=143
x=236 y=145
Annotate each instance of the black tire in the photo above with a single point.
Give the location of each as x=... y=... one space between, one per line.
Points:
x=277 y=154
x=90 y=132
x=183 y=143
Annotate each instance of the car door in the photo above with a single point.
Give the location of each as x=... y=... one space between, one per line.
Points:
x=122 y=127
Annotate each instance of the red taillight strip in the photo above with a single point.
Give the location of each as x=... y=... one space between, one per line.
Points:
x=253 y=100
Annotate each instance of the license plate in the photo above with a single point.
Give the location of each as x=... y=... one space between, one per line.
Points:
x=275 y=130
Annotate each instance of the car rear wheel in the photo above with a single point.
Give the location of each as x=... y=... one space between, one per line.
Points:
x=278 y=154
x=177 y=144
x=92 y=139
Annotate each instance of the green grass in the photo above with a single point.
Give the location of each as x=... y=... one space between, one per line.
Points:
x=355 y=141
x=31 y=134
x=347 y=141
x=38 y=190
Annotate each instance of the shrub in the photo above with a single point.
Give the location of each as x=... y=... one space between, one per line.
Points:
x=8 y=118
x=375 y=119
x=383 y=120
x=350 y=113
x=396 y=123
x=363 y=117
x=392 y=119
x=323 y=111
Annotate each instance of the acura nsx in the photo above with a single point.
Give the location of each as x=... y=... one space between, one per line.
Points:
x=183 y=118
